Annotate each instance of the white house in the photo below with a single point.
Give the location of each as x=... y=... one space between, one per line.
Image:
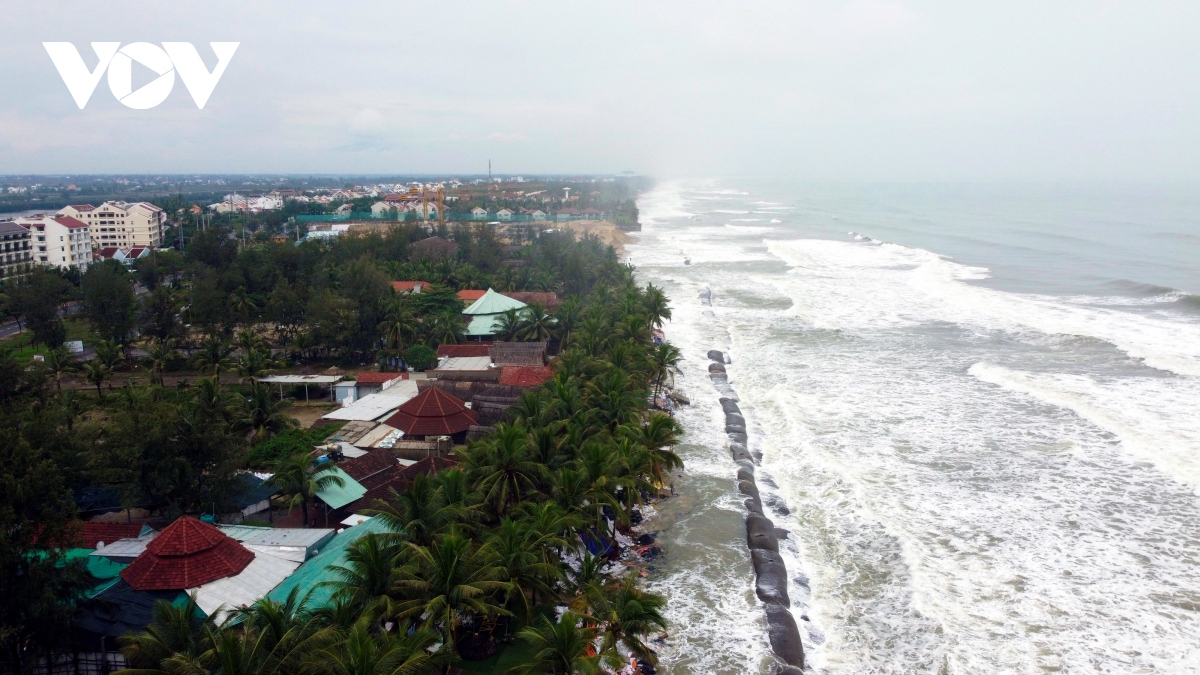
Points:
x=345 y=209
x=385 y=209
x=60 y=241
x=479 y=213
x=504 y=214
x=538 y=214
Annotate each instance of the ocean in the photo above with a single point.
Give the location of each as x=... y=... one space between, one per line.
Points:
x=978 y=409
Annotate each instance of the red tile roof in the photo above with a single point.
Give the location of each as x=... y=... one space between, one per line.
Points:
x=375 y=461
x=87 y=535
x=433 y=412
x=429 y=465
x=378 y=378
x=188 y=553
x=408 y=286
x=83 y=207
x=470 y=295
x=71 y=223
x=107 y=253
x=469 y=349
x=525 y=376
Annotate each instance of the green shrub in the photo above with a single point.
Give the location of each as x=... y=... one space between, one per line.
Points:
x=289 y=442
x=420 y=357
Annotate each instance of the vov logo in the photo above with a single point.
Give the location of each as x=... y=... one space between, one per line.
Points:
x=172 y=57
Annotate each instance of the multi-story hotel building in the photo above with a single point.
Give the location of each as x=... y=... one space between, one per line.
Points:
x=59 y=241
x=120 y=224
x=15 y=256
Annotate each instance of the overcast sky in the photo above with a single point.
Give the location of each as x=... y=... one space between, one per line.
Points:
x=824 y=90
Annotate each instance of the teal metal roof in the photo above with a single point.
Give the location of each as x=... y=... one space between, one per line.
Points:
x=493 y=303
x=484 y=324
x=309 y=576
x=337 y=497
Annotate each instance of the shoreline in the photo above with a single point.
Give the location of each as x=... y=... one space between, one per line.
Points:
x=762 y=537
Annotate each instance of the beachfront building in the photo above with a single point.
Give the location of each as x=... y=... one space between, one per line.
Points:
x=484 y=312
x=120 y=224
x=16 y=258
x=59 y=241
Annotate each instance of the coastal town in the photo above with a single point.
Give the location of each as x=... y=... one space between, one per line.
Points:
x=407 y=427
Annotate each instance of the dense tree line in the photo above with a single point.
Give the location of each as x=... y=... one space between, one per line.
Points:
x=578 y=455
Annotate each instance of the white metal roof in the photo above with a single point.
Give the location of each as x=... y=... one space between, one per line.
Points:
x=356 y=519
x=263 y=573
x=125 y=548
x=377 y=405
x=466 y=363
x=373 y=436
x=300 y=379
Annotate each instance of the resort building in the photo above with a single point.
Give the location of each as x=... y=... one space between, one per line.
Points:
x=16 y=258
x=120 y=224
x=485 y=312
x=60 y=241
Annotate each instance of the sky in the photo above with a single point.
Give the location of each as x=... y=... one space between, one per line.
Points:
x=856 y=90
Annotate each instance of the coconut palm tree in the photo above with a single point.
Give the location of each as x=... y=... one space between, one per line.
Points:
x=665 y=362
x=159 y=355
x=567 y=318
x=213 y=355
x=447 y=582
x=399 y=325
x=657 y=435
x=504 y=467
x=261 y=416
x=365 y=578
x=96 y=372
x=508 y=325
x=536 y=324
x=627 y=614
x=656 y=306
x=255 y=363
x=420 y=512
x=517 y=555
x=563 y=647
x=58 y=361
x=444 y=328
x=108 y=352
x=367 y=651
x=301 y=477
x=174 y=632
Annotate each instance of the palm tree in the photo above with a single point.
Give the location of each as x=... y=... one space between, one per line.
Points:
x=96 y=372
x=174 y=632
x=301 y=476
x=364 y=651
x=261 y=415
x=365 y=579
x=247 y=340
x=627 y=614
x=241 y=305
x=536 y=325
x=507 y=473
x=567 y=319
x=447 y=582
x=399 y=325
x=58 y=361
x=213 y=355
x=508 y=325
x=420 y=512
x=517 y=555
x=159 y=355
x=656 y=305
x=659 y=433
x=563 y=647
x=665 y=361
x=255 y=363
x=445 y=328
x=108 y=352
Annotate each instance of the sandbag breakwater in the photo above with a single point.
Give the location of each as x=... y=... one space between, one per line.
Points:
x=762 y=537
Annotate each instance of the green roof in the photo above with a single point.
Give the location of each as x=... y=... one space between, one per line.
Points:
x=483 y=325
x=106 y=571
x=493 y=303
x=309 y=576
x=337 y=497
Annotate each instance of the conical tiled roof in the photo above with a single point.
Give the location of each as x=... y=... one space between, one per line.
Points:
x=433 y=412
x=188 y=553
